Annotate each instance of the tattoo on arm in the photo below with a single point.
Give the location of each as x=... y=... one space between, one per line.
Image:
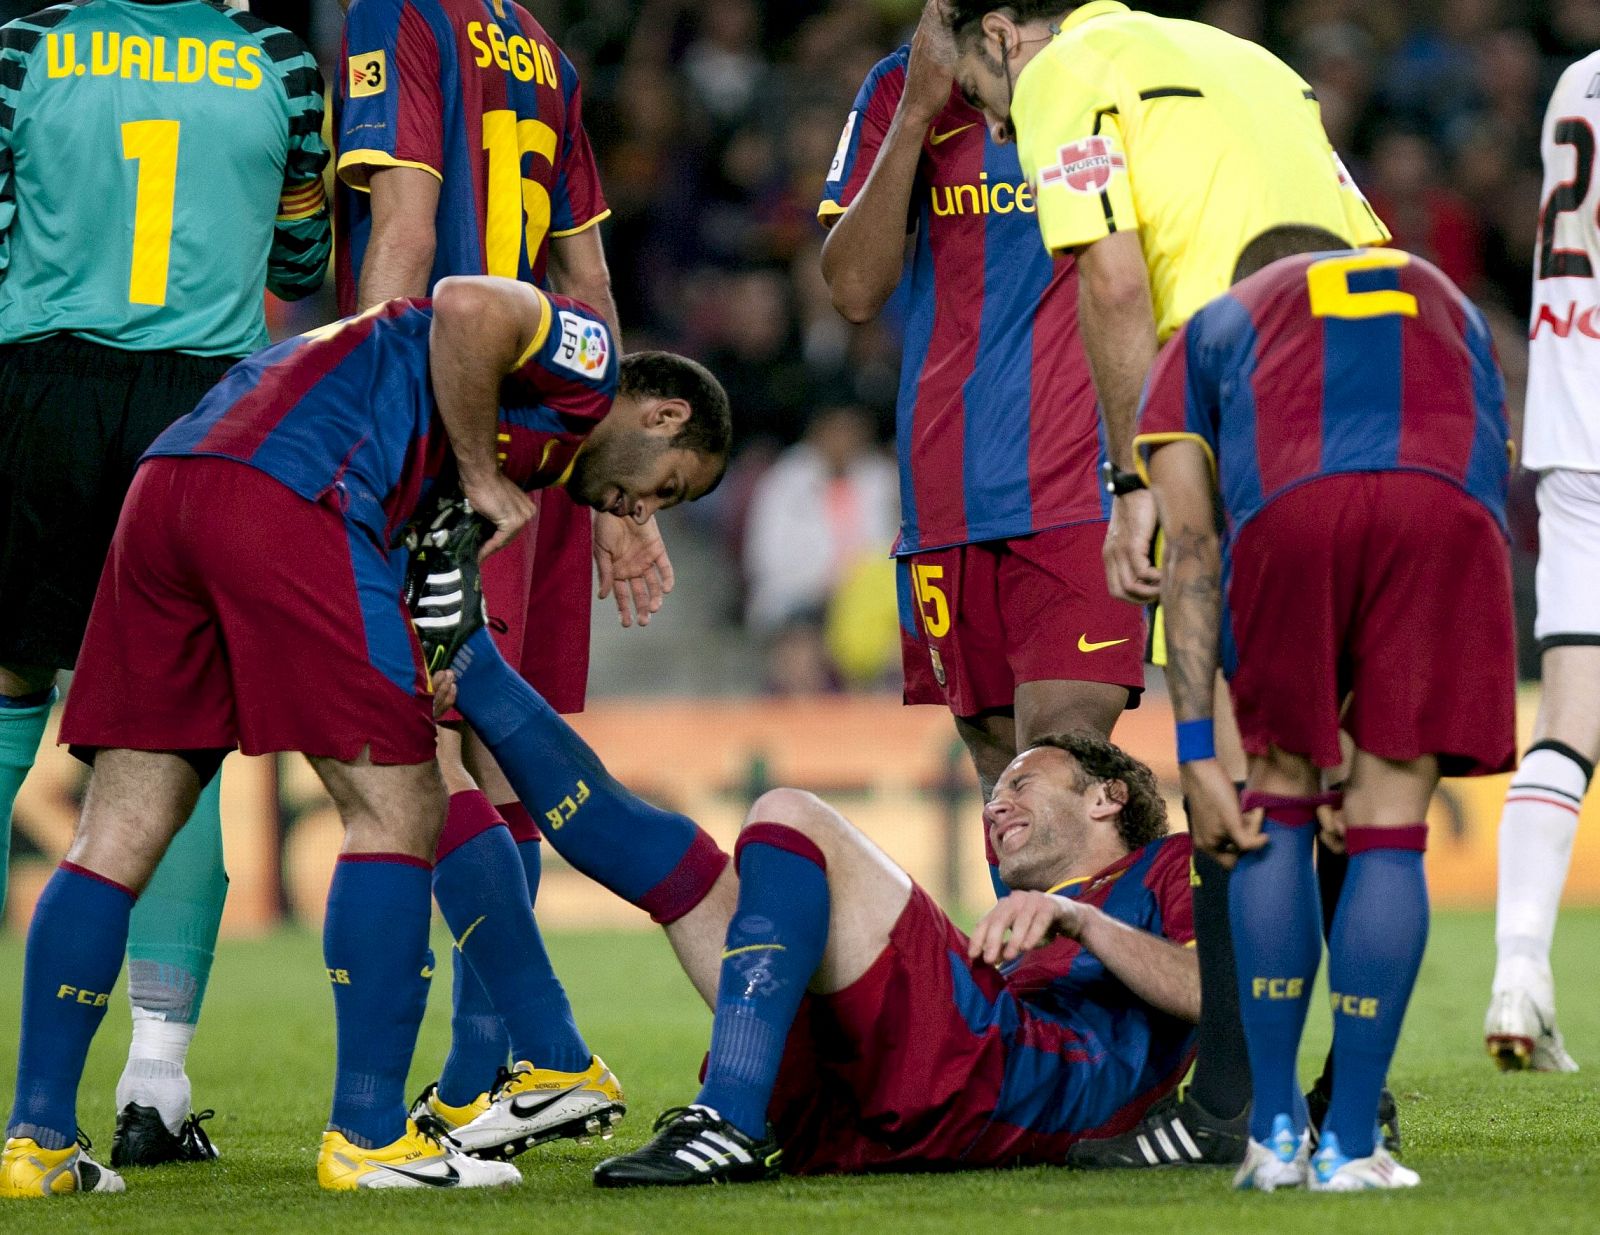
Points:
x=1191 y=594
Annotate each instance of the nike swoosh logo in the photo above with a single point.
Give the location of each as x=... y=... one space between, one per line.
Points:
x=1085 y=646
x=448 y=1180
x=427 y=971
x=937 y=139
x=466 y=934
x=523 y=1107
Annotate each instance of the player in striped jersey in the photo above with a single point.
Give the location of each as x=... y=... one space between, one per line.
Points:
x=1347 y=410
x=160 y=165
x=207 y=634
x=1003 y=515
x=443 y=105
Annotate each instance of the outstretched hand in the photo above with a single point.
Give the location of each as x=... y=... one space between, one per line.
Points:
x=631 y=560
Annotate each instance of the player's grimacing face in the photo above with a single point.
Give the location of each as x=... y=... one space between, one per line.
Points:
x=1035 y=818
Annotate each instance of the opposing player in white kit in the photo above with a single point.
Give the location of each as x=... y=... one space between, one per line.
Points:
x=1561 y=441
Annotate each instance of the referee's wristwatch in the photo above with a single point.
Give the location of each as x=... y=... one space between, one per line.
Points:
x=1117 y=482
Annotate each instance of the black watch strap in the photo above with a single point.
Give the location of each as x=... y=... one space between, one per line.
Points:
x=1118 y=482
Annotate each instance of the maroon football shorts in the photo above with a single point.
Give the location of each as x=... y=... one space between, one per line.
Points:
x=233 y=612
x=886 y=1073
x=1391 y=588
x=977 y=620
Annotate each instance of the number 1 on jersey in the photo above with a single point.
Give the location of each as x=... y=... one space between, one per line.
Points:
x=517 y=213
x=153 y=144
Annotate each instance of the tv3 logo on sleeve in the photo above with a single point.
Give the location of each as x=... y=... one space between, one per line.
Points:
x=369 y=74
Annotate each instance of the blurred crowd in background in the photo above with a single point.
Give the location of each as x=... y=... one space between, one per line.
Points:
x=715 y=121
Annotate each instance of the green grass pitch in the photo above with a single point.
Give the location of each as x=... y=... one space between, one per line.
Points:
x=1497 y=1153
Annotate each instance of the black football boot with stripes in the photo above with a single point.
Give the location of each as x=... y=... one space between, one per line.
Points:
x=1174 y=1132
x=692 y=1145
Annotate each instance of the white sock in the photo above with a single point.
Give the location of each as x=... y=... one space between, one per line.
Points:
x=154 y=1074
x=1536 y=832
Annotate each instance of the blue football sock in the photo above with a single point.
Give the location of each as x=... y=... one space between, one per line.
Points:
x=655 y=859
x=482 y=891
x=1379 y=934
x=22 y=724
x=1277 y=945
x=375 y=943
x=774 y=945
x=479 y=1045
x=75 y=945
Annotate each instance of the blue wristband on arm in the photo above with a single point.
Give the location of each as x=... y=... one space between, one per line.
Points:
x=1197 y=739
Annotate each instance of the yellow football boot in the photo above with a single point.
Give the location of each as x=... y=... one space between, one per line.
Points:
x=416 y=1160
x=28 y=1171
x=534 y=1105
x=428 y=1109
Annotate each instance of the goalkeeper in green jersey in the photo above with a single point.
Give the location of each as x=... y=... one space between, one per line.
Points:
x=160 y=168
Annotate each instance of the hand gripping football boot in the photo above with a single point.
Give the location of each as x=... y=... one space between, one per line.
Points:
x=28 y=1171
x=1283 y=1162
x=534 y=1105
x=415 y=1160
x=692 y=1145
x=1331 y=1171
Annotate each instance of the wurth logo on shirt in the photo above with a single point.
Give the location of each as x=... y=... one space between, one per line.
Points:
x=1085 y=166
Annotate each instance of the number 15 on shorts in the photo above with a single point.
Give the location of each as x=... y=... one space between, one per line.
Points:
x=932 y=603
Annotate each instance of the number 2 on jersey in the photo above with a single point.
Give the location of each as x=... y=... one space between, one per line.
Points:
x=1567 y=198
x=1329 y=282
x=517 y=213
x=153 y=144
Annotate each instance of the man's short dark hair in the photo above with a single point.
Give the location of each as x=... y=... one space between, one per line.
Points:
x=1144 y=812
x=1277 y=243
x=964 y=14
x=666 y=375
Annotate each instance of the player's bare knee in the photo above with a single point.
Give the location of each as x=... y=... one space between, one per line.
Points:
x=805 y=812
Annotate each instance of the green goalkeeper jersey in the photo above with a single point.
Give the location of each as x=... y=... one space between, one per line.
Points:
x=160 y=166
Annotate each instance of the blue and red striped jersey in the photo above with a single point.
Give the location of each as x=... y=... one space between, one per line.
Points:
x=1081 y=1011
x=1325 y=363
x=997 y=429
x=475 y=92
x=349 y=409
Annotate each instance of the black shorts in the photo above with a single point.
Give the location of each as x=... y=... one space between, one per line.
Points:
x=74 y=419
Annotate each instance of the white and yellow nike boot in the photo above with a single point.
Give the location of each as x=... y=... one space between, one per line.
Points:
x=28 y=1171
x=534 y=1105
x=416 y=1160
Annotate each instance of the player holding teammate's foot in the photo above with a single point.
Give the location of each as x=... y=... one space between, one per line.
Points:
x=1346 y=409
x=1223 y=141
x=1561 y=442
x=438 y=177
x=1003 y=619
x=141 y=220
x=254 y=556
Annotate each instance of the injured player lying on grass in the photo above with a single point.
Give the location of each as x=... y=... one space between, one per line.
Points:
x=856 y=1028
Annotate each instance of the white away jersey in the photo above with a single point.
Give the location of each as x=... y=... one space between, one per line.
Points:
x=1562 y=425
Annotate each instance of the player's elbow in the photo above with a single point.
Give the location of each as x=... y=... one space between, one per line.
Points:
x=856 y=304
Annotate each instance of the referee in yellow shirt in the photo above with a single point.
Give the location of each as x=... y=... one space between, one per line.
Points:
x=1159 y=150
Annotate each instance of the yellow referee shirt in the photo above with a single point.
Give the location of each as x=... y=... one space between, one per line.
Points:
x=1198 y=140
